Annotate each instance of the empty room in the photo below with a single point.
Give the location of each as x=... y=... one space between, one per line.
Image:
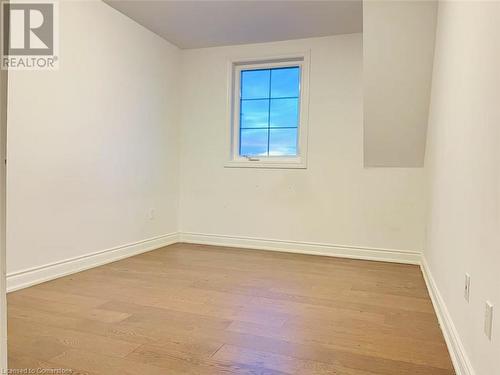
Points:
x=250 y=187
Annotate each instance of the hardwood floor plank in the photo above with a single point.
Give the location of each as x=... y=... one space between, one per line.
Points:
x=23 y=364
x=384 y=346
x=283 y=363
x=102 y=364
x=342 y=359
x=70 y=338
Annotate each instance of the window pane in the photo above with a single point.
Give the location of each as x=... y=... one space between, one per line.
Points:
x=255 y=84
x=253 y=142
x=283 y=142
x=254 y=113
x=285 y=82
x=284 y=113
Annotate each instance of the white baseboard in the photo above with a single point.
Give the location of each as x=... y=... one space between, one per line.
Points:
x=354 y=252
x=32 y=276
x=37 y=275
x=458 y=355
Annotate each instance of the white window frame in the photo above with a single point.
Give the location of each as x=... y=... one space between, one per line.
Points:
x=234 y=73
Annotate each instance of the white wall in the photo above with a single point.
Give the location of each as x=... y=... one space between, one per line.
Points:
x=463 y=161
x=94 y=145
x=3 y=144
x=335 y=200
x=398 y=43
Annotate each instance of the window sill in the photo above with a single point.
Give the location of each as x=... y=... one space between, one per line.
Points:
x=270 y=164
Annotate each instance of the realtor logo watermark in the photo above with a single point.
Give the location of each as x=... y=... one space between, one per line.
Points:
x=30 y=35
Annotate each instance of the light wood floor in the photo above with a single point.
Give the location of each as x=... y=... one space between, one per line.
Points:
x=192 y=309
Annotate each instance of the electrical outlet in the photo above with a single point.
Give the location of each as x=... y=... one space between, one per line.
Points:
x=488 y=319
x=151 y=214
x=467 y=287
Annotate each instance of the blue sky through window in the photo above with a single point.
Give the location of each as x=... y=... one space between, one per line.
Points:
x=269 y=111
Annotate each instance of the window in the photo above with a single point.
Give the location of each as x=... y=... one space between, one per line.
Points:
x=269 y=113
